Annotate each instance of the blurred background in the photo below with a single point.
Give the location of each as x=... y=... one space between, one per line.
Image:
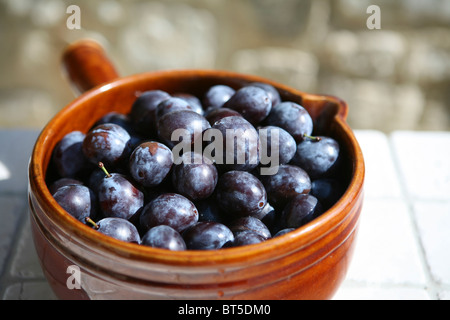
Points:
x=396 y=77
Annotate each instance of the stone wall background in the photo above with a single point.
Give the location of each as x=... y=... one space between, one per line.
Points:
x=397 y=77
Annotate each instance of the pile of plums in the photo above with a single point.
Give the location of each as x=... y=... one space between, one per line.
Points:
x=168 y=175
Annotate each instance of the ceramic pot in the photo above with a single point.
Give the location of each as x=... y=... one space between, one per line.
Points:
x=80 y=263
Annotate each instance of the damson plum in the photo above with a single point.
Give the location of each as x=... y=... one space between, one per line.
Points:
x=249 y=223
x=245 y=238
x=150 y=163
x=118 y=228
x=119 y=197
x=120 y=119
x=62 y=182
x=216 y=96
x=275 y=141
x=235 y=143
x=125 y=122
x=292 y=117
x=240 y=193
x=171 y=209
x=252 y=102
x=318 y=156
x=164 y=237
x=68 y=157
x=78 y=200
x=216 y=114
x=143 y=111
x=327 y=191
x=289 y=181
x=273 y=93
x=189 y=123
x=192 y=100
x=283 y=231
x=170 y=105
x=207 y=235
x=300 y=210
x=108 y=143
x=195 y=177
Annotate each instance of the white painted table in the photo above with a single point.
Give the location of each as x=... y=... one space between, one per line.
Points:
x=402 y=250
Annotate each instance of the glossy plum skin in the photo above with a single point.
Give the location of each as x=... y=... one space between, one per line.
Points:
x=119 y=228
x=289 y=181
x=195 y=177
x=245 y=238
x=143 y=111
x=120 y=119
x=150 y=163
x=119 y=197
x=216 y=114
x=170 y=209
x=108 y=143
x=78 y=200
x=272 y=92
x=318 y=158
x=285 y=145
x=216 y=96
x=252 y=102
x=250 y=223
x=240 y=193
x=170 y=105
x=300 y=210
x=125 y=122
x=62 y=182
x=207 y=235
x=192 y=100
x=164 y=237
x=292 y=117
x=240 y=144
x=283 y=232
x=68 y=157
x=190 y=121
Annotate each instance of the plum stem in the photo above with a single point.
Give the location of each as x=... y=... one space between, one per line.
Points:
x=313 y=138
x=102 y=166
x=92 y=222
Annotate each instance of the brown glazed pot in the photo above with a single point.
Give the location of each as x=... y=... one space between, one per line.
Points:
x=308 y=263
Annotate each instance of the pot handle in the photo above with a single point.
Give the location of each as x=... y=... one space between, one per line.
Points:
x=87 y=65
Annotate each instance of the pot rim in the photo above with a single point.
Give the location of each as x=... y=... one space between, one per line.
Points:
x=269 y=249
